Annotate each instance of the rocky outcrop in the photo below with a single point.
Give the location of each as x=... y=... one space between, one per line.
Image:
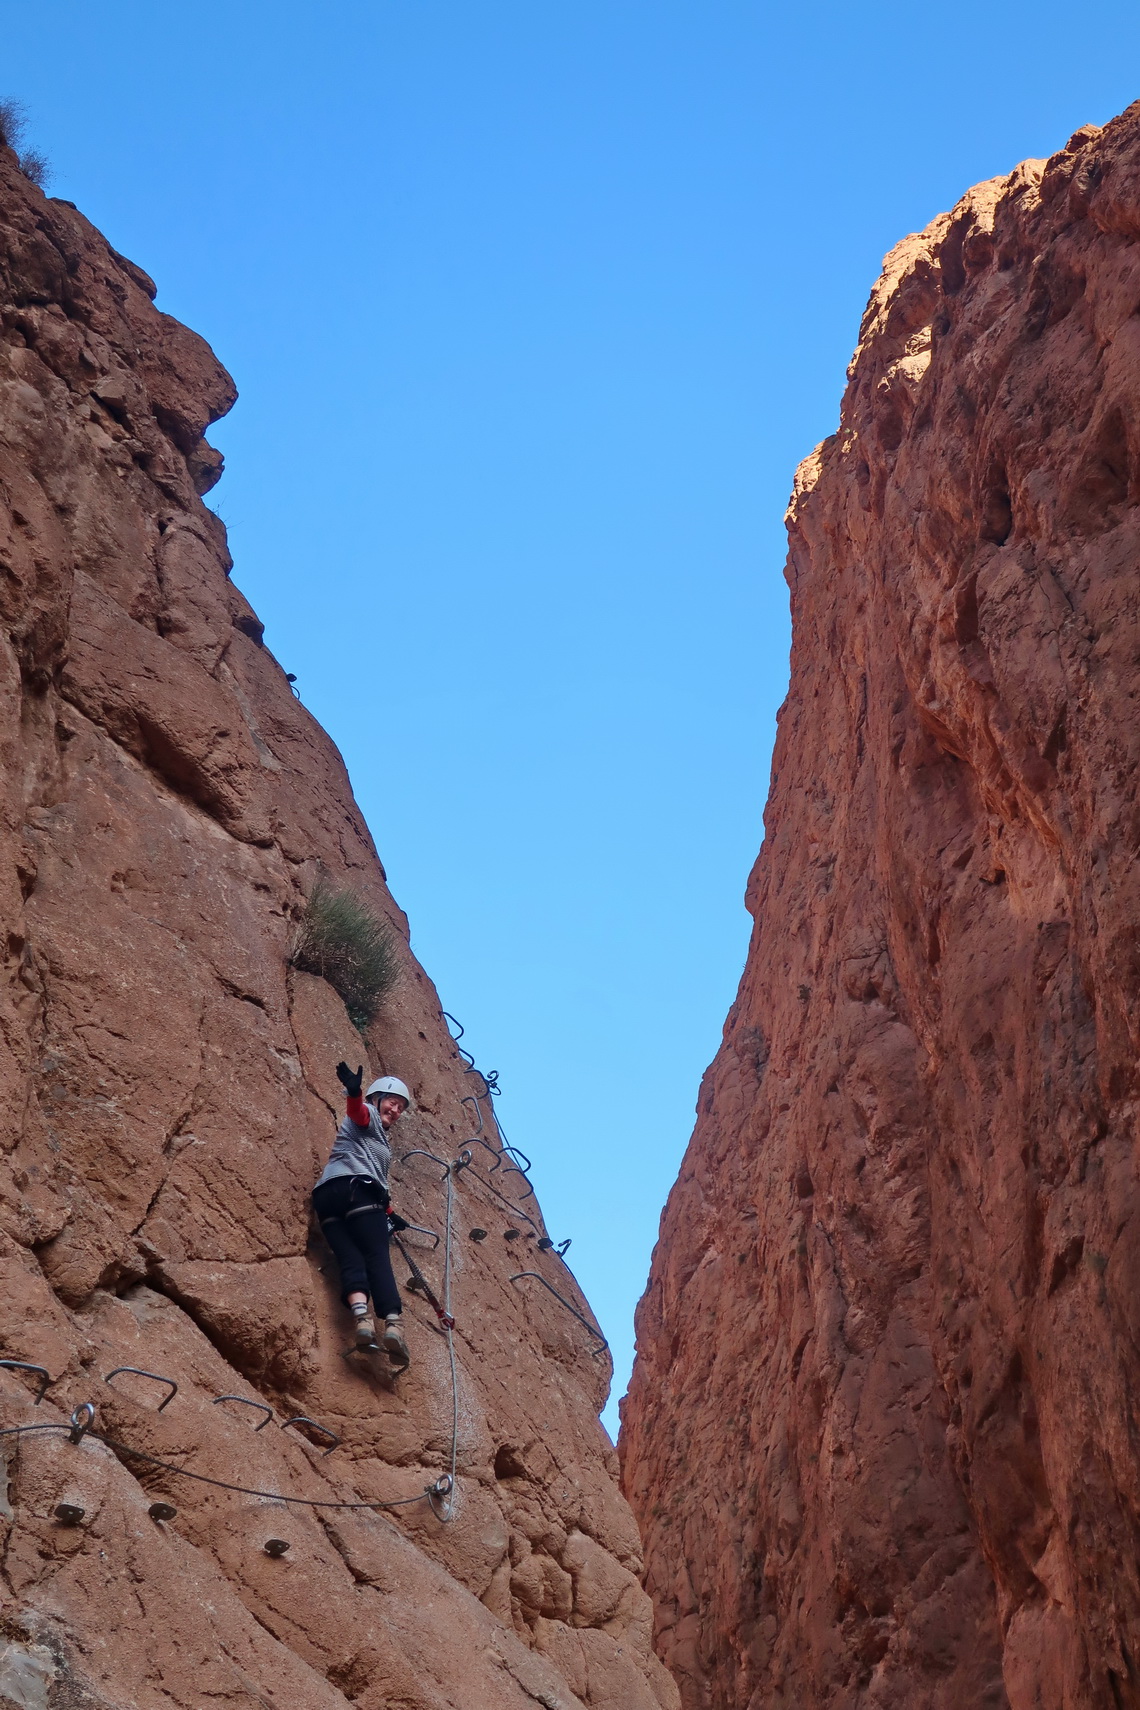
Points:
x=882 y=1435
x=167 y=1096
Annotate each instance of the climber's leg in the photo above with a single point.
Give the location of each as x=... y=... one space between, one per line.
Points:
x=331 y=1201
x=358 y=1236
x=368 y=1228
x=363 y=1323
x=392 y=1341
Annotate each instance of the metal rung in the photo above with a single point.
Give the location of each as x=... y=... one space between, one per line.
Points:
x=303 y=1419
x=26 y=1366
x=597 y=1334
x=478 y=1114
x=246 y=1402
x=418 y=1153
x=418 y=1229
x=137 y=1371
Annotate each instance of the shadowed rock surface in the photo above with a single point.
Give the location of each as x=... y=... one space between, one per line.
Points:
x=167 y=1096
x=882 y=1433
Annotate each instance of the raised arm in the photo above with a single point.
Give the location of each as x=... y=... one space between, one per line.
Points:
x=352 y=1083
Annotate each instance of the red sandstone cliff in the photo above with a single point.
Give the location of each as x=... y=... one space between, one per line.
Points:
x=167 y=1096
x=882 y=1436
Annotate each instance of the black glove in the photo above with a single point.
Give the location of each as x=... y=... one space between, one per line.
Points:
x=350 y=1082
x=396 y=1223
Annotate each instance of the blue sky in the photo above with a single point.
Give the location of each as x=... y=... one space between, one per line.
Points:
x=533 y=308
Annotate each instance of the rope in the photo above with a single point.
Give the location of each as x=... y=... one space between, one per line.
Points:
x=432 y=1491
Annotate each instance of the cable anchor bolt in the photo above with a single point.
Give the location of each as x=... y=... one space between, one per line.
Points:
x=81 y=1422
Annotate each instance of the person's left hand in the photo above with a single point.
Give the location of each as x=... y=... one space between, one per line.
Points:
x=351 y=1083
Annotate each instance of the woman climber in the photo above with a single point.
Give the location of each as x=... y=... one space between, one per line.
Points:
x=351 y=1201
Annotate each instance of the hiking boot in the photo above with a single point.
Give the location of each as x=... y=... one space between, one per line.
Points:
x=366 y=1333
x=392 y=1341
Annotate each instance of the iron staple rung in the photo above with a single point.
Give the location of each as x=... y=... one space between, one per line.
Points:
x=27 y=1366
x=538 y=1277
x=137 y=1371
x=246 y=1402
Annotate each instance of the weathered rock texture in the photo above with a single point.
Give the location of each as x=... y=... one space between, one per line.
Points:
x=167 y=1095
x=882 y=1436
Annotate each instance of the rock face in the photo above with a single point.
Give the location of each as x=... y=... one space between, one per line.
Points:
x=167 y=1097
x=882 y=1436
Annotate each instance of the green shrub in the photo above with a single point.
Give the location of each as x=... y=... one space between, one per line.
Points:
x=344 y=942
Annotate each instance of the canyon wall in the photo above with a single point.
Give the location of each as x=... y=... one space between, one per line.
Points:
x=167 y=1097
x=882 y=1435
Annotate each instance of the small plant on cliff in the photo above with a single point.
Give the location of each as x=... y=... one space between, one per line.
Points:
x=35 y=166
x=13 y=124
x=344 y=942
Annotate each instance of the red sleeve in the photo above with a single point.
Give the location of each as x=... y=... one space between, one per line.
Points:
x=358 y=1111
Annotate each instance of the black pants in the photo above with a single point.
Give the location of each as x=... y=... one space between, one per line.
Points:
x=353 y=1214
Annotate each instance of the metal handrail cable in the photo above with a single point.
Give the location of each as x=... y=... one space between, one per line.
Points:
x=218 y=1483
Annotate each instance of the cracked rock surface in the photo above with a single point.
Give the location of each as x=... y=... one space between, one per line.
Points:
x=882 y=1433
x=167 y=1098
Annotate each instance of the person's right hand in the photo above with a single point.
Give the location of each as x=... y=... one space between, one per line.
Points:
x=351 y=1083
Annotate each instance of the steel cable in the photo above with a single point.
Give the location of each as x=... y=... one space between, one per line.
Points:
x=447 y=1510
x=491 y=1091
x=432 y=1491
x=441 y=1494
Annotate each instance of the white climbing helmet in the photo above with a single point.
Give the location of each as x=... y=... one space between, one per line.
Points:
x=389 y=1084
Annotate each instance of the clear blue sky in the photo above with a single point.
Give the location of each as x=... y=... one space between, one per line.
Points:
x=534 y=306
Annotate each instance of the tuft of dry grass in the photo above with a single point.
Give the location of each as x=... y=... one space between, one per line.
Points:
x=13 y=122
x=34 y=165
x=342 y=940
x=13 y=127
